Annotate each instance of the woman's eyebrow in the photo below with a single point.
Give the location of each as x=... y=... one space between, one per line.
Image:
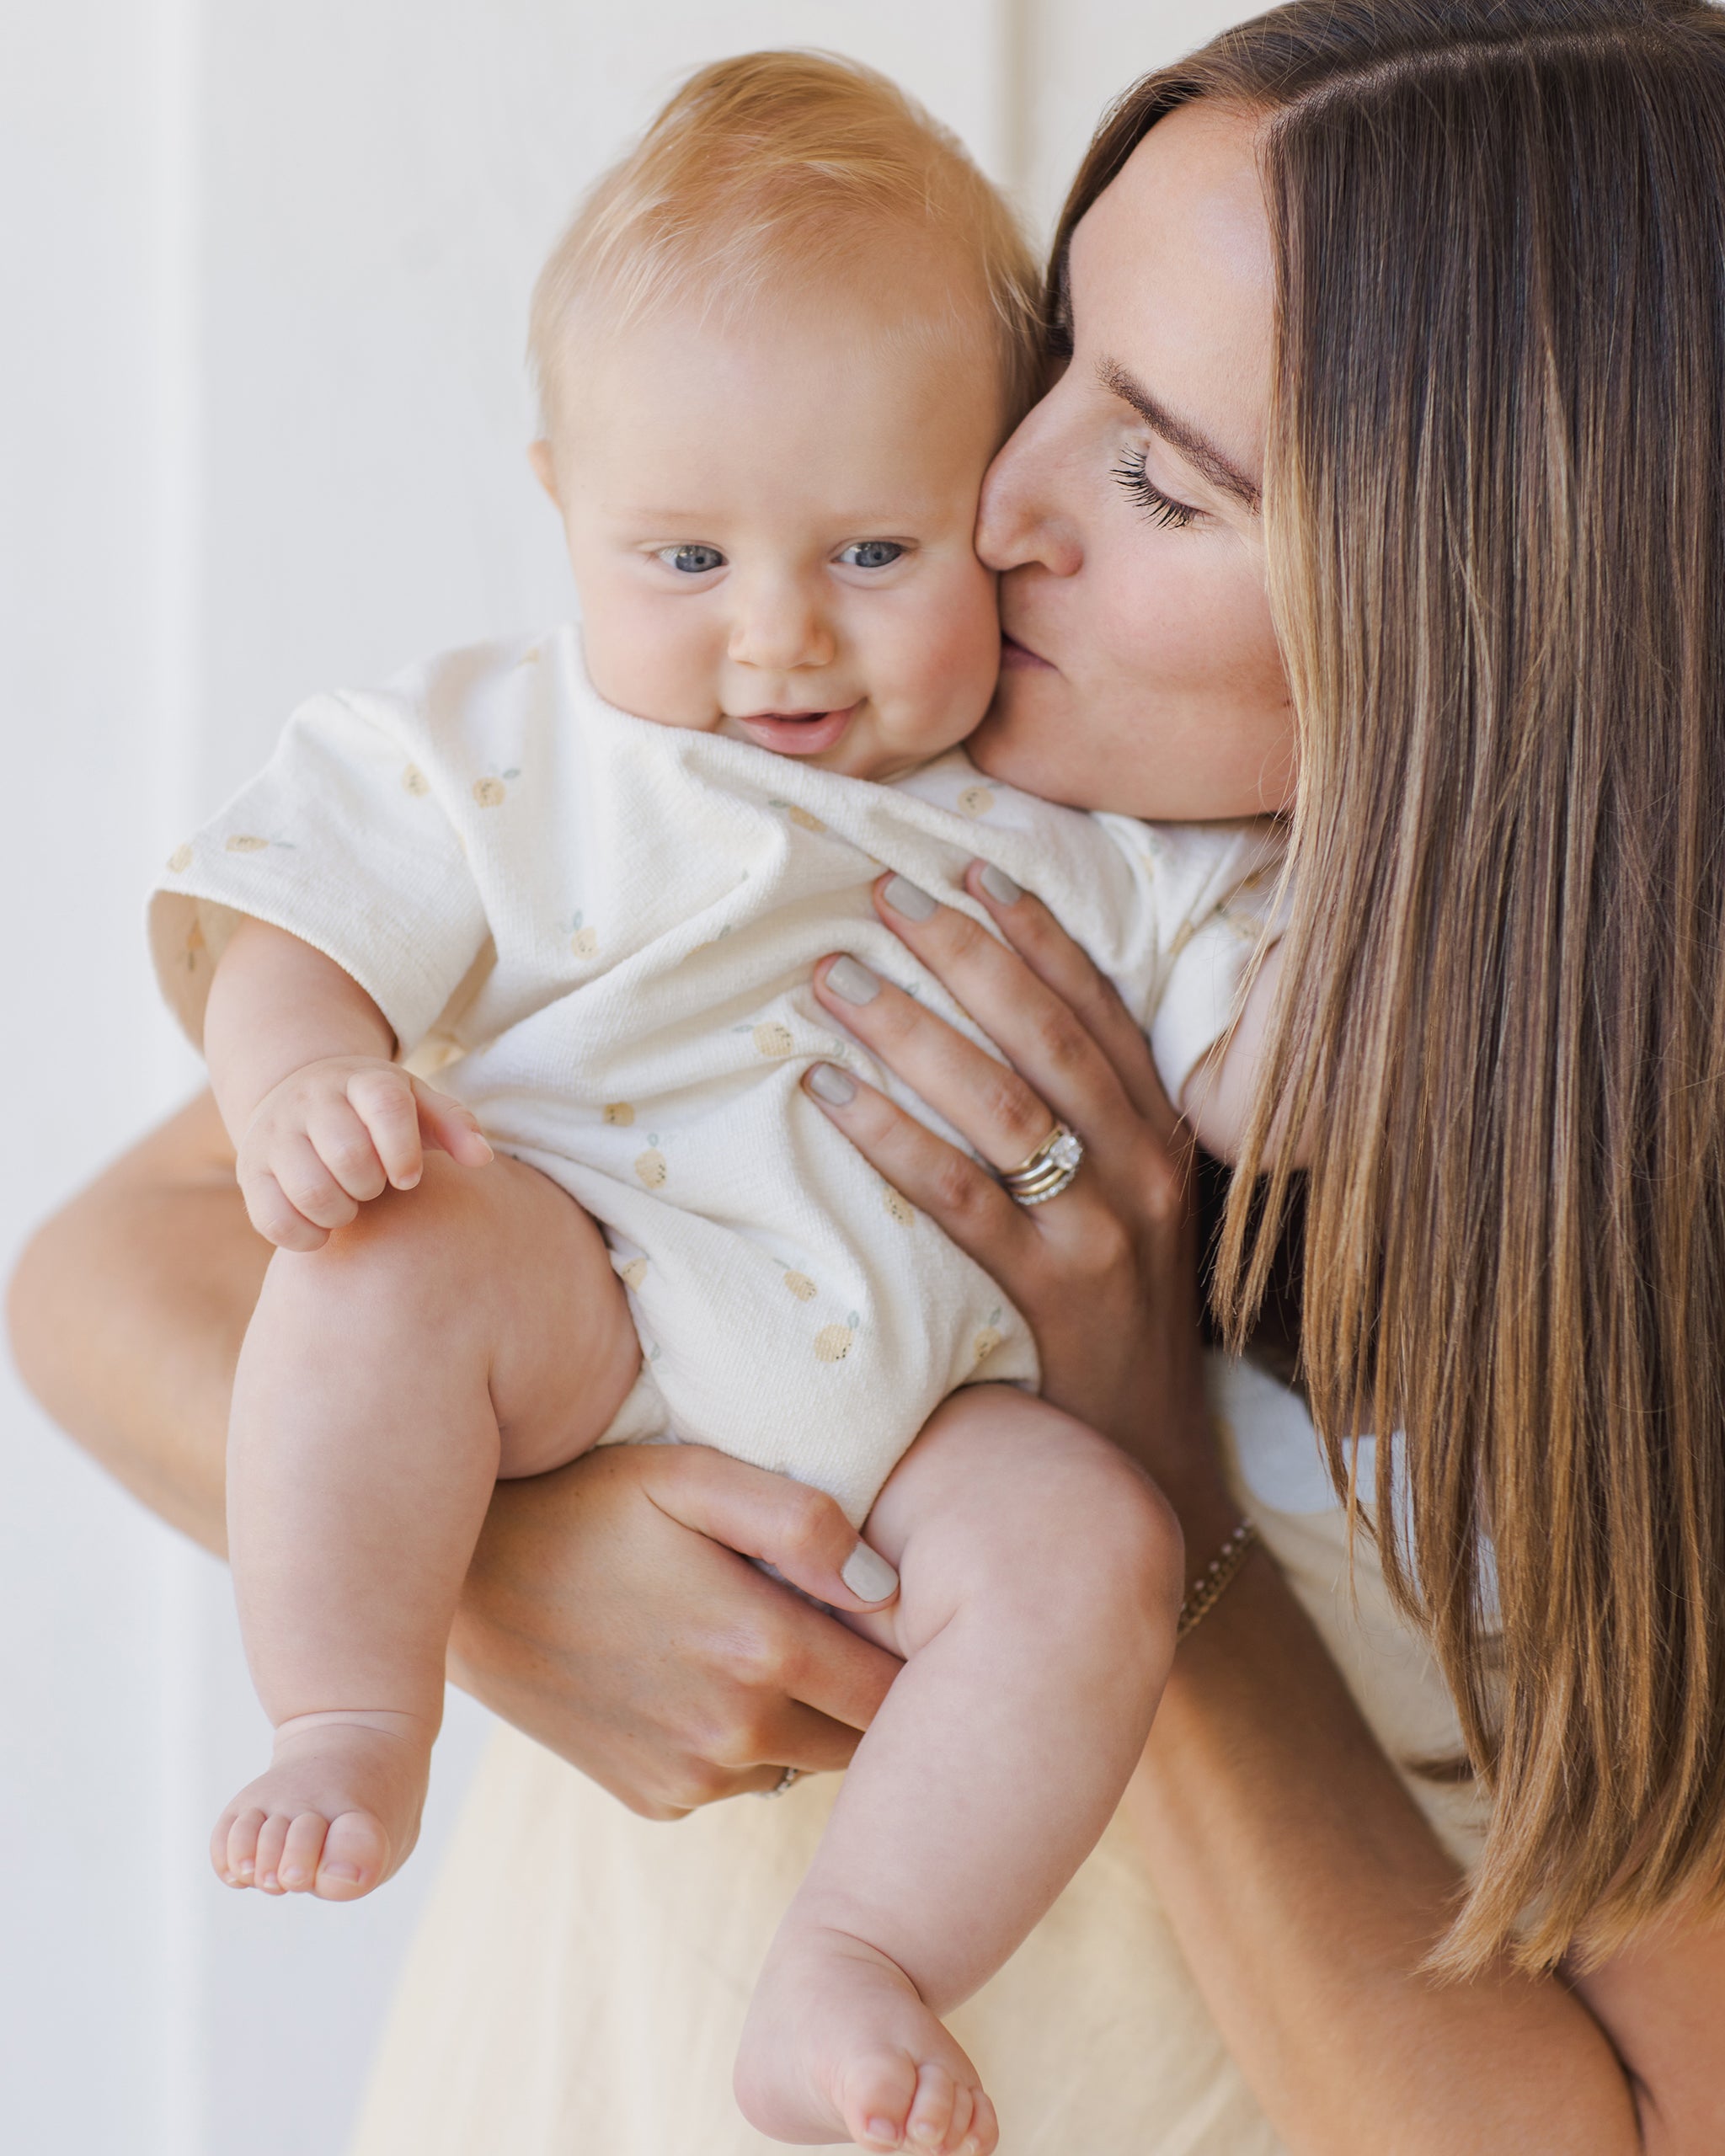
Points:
x=1198 y=449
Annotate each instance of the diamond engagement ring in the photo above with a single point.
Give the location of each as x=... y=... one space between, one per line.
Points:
x=1050 y=1169
x=784 y=1781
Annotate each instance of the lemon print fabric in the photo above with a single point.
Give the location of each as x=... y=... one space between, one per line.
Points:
x=833 y=1343
x=774 y=1040
x=180 y=860
x=620 y=1114
x=801 y=1286
x=413 y=781
x=651 y=1167
x=897 y=1206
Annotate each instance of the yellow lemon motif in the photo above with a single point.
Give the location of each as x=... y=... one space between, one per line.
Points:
x=181 y=857
x=584 y=943
x=983 y=1345
x=808 y=821
x=633 y=1273
x=247 y=842
x=651 y=1168
x=832 y=1343
x=489 y=792
x=801 y=1286
x=414 y=781
x=619 y=1113
x=976 y=800
x=900 y=1207
x=773 y=1039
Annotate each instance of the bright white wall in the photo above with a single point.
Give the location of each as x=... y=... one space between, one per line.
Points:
x=261 y=423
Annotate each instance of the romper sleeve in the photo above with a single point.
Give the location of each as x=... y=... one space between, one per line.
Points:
x=342 y=840
x=1216 y=893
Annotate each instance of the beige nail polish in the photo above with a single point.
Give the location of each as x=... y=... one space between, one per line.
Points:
x=846 y=978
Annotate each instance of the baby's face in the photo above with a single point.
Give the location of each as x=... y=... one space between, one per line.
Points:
x=771 y=529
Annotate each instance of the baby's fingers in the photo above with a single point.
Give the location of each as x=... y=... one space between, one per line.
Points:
x=382 y=1101
x=277 y=1220
x=342 y=1143
x=449 y=1126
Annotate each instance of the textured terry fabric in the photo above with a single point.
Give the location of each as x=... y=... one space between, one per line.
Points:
x=578 y=1984
x=598 y=933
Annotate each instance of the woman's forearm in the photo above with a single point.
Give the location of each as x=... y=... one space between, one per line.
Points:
x=126 y=1312
x=1305 y=1888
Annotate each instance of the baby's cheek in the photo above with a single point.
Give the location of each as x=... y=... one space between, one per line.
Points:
x=949 y=665
x=644 y=664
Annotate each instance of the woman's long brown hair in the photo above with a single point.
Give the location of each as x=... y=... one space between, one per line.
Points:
x=1495 y=505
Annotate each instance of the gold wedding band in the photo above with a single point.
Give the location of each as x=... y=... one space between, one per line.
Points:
x=1050 y=1169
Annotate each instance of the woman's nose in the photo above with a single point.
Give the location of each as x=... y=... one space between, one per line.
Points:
x=1021 y=517
x=778 y=625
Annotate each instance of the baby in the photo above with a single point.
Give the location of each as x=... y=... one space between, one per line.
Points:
x=584 y=880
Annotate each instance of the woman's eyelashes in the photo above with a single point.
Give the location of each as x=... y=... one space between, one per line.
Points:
x=1161 y=509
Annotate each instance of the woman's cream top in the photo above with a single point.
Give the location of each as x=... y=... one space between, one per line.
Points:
x=577 y=1985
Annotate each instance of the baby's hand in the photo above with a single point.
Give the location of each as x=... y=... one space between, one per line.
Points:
x=337 y=1132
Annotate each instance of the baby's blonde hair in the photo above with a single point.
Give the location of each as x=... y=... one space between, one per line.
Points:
x=778 y=162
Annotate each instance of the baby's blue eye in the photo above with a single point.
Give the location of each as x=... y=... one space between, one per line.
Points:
x=693 y=561
x=871 y=554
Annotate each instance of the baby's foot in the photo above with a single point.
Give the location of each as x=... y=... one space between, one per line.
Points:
x=839 y=2046
x=338 y=1811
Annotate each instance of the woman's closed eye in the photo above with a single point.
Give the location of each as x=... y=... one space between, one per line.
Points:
x=1161 y=509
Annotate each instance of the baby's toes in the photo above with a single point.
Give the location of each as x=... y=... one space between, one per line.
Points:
x=272 y=1839
x=355 y=1853
x=984 y=2135
x=233 y=1847
x=301 y=1850
x=876 y=2099
x=931 y=2109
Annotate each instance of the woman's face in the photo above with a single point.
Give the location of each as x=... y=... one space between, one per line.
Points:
x=1141 y=672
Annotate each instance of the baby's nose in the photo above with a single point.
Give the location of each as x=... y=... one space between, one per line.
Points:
x=780 y=626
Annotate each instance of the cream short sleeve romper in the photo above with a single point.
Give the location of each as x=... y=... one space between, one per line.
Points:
x=599 y=932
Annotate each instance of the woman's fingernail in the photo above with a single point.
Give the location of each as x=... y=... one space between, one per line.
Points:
x=846 y=978
x=828 y=1083
x=908 y=899
x=1000 y=886
x=869 y=1576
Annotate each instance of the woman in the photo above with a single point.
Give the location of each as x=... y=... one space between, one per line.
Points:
x=1392 y=444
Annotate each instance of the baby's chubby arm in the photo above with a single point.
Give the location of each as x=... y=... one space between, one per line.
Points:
x=321 y=1117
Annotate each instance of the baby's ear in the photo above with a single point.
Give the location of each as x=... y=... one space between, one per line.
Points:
x=544 y=466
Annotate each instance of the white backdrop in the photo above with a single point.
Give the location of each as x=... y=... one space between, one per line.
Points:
x=262 y=415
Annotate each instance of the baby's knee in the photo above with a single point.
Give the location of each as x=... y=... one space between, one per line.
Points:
x=427 y=1252
x=1054 y=1513
x=1114 y=1545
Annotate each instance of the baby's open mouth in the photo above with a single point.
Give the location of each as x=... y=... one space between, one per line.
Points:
x=797 y=732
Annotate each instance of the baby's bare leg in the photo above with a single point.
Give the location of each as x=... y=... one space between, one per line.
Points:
x=468 y=1328
x=1039 y=1582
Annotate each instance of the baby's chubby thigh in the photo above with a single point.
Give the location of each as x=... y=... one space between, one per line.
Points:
x=495 y=1265
x=1037 y=1534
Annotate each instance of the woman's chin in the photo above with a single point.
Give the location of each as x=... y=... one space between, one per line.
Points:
x=1021 y=746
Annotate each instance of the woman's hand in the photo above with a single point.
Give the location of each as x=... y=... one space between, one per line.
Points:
x=607 y=1614
x=1106 y=1273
